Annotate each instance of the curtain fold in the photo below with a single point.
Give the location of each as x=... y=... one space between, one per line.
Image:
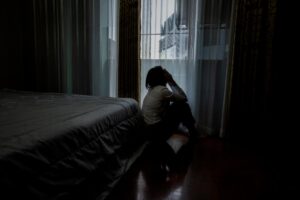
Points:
x=253 y=74
x=191 y=39
x=75 y=44
x=129 y=70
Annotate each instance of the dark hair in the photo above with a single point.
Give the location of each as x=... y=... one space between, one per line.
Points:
x=155 y=77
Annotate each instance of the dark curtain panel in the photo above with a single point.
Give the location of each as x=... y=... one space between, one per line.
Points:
x=252 y=73
x=129 y=75
x=75 y=44
x=61 y=46
x=263 y=114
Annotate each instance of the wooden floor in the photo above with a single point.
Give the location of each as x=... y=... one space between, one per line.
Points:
x=209 y=170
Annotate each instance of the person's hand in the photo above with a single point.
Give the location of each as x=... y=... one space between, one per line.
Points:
x=168 y=76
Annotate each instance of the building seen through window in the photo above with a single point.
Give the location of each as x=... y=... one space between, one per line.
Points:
x=163 y=35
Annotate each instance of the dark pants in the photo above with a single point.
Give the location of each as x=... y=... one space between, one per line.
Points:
x=158 y=133
x=177 y=112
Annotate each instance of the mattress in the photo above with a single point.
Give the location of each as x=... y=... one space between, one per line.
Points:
x=50 y=142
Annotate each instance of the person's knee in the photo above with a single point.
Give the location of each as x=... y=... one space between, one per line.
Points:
x=181 y=107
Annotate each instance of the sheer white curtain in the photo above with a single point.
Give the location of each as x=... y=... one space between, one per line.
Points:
x=106 y=60
x=76 y=45
x=191 y=38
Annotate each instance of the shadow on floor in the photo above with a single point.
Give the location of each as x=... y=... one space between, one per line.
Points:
x=148 y=179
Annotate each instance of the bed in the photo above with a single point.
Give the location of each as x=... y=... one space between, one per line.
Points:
x=52 y=145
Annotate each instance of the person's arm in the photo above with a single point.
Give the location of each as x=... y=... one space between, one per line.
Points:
x=178 y=93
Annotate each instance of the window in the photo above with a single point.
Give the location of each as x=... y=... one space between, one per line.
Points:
x=164 y=33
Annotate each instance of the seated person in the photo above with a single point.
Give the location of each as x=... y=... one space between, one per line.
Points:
x=166 y=111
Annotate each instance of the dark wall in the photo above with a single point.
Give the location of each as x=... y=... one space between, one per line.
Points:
x=16 y=45
x=11 y=46
x=285 y=102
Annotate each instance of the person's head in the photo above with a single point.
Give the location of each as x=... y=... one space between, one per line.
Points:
x=155 y=77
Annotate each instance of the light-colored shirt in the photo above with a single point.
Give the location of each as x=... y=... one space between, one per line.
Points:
x=157 y=100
